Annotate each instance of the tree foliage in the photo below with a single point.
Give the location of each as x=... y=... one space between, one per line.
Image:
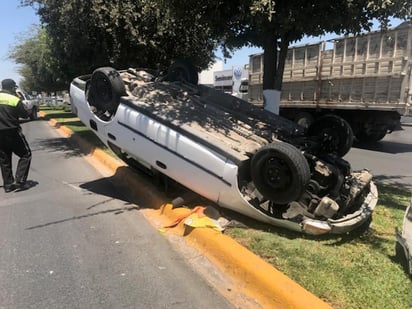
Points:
x=88 y=34
x=274 y=25
x=151 y=33
x=39 y=65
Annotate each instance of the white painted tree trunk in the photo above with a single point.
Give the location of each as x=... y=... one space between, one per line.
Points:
x=271 y=99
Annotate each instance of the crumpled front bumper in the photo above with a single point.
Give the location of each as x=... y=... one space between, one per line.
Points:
x=347 y=223
x=364 y=189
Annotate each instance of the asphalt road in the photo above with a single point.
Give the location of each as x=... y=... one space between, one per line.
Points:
x=73 y=241
x=389 y=160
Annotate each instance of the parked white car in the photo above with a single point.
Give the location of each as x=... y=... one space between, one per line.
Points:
x=226 y=150
x=31 y=104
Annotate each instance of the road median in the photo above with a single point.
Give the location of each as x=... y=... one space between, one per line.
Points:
x=251 y=274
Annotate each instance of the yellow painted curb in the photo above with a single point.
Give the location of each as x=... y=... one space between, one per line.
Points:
x=264 y=283
x=259 y=279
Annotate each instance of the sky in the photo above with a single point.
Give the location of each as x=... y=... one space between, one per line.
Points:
x=16 y=21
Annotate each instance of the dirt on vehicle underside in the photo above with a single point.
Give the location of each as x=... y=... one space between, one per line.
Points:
x=218 y=119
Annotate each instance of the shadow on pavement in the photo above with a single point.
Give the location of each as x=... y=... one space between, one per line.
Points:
x=384 y=146
x=56 y=145
x=393 y=180
x=106 y=187
x=130 y=186
x=73 y=146
x=115 y=211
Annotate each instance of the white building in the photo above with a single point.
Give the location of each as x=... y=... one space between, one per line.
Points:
x=206 y=77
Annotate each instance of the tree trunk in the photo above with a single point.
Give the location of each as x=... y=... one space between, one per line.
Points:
x=269 y=61
x=271 y=96
x=284 y=45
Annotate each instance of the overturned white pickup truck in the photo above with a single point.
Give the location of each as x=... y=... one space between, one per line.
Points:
x=226 y=150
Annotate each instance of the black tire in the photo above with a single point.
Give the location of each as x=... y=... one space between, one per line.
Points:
x=184 y=71
x=304 y=119
x=106 y=88
x=334 y=133
x=33 y=115
x=370 y=137
x=280 y=172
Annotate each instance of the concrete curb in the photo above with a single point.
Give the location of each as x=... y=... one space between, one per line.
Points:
x=252 y=275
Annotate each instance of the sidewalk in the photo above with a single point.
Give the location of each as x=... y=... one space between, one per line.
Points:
x=253 y=276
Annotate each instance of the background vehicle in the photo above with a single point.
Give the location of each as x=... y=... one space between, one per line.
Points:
x=31 y=104
x=365 y=79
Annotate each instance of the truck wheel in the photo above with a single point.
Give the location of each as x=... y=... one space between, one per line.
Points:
x=33 y=115
x=280 y=172
x=304 y=119
x=182 y=70
x=370 y=137
x=106 y=88
x=334 y=133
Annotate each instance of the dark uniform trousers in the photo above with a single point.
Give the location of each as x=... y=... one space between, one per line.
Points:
x=13 y=141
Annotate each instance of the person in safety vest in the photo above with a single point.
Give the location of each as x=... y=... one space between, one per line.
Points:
x=12 y=139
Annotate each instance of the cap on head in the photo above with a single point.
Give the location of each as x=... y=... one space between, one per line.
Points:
x=8 y=84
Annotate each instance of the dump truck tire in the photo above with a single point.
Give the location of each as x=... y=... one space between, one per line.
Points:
x=304 y=119
x=335 y=134
x=373 y=137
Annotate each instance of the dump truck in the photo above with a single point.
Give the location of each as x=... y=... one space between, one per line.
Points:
x=365 y=79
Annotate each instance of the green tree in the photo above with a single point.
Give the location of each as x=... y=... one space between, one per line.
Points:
x=151 y=33
x=88 y=34
x=274 y=25
x=39 y=67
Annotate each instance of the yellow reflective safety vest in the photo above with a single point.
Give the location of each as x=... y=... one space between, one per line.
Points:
x=8 y=99
x=11 y=109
